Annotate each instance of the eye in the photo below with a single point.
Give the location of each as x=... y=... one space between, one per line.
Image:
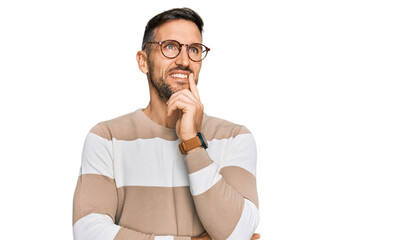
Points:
x=170 y=46
x=195 y=49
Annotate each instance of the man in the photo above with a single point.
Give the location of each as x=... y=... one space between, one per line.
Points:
x=168 y=171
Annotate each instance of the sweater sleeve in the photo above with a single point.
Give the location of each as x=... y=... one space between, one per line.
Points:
x=225 y=196
x=95 y=199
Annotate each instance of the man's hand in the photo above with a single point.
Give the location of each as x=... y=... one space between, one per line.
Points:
x=188 y=101
x=256 y=236
x=205 y=236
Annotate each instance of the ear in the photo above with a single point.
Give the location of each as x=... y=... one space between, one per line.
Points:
x=142 y=61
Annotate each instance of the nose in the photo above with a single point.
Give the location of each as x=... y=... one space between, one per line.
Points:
x=183 y=58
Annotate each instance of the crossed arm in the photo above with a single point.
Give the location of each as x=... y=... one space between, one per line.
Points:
x=95 y=201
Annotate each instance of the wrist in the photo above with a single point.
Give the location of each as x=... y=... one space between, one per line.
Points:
x=194 y=150
x=184 y=138
x=193 y=144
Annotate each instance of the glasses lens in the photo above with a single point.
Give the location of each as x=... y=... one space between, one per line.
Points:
x=170 y=49
x=197 y=51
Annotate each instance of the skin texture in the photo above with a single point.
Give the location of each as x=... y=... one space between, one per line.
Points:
x=175 y=102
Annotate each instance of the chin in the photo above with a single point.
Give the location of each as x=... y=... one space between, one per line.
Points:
x=180 y=87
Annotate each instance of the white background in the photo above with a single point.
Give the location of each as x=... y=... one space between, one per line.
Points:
x=326 y=87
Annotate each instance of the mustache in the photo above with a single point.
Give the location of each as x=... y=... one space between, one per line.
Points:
x=181 y=68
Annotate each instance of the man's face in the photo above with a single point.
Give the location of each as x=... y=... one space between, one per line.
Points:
x=172 y=75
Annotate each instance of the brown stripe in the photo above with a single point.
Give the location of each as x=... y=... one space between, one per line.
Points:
x=219 y=209
x=132 y=126
x=197 y=160
x=101 y=131
x=94 y=194
x=126 y=233
x=242 y=181
x=158 y=210
x=137 y=125
x=216 y=128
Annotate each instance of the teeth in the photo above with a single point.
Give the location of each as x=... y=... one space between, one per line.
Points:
x=179 y=75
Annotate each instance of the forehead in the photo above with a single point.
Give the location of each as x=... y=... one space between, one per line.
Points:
x=183 y=31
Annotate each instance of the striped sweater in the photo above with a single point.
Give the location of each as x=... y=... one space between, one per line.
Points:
x=135 y=184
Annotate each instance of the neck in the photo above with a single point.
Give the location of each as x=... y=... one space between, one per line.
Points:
x=156 y=110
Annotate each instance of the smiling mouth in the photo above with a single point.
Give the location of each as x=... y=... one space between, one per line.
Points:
x=178 y=75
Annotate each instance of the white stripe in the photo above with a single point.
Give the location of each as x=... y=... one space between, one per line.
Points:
x=97 y=156
x=204 y=179
x=239 y=151
x=158 y=162
x=247 y=223
x=95 y=226
x=149 y=162
x=163 y=238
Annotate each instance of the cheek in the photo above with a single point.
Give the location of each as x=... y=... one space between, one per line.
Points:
x=196 y=66
x=196 y=71
x=157 y=70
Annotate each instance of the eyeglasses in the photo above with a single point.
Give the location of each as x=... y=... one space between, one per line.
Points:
x=172 y=48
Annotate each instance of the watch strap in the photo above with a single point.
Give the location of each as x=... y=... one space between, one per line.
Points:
x=190 y=144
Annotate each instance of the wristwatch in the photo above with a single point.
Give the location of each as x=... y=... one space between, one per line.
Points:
x=198 y=141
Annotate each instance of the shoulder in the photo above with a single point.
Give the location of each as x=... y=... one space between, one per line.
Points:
x=118 y=127
x=217 y=128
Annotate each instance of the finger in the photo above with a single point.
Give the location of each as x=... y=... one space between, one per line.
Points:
x=185 y=93
x=182 y=101
x=192 y=85
x=179 y=103
x=256 y=236
x=185 y=96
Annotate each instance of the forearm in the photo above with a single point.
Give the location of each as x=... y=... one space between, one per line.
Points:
x=222 y=207
x=94 y=211
x=101 y=227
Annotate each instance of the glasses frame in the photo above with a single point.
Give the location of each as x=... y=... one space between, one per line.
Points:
x=180 y=48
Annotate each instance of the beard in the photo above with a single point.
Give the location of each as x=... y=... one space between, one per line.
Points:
x=164 y=90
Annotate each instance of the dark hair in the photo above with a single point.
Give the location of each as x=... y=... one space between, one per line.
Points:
x=169 y=15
